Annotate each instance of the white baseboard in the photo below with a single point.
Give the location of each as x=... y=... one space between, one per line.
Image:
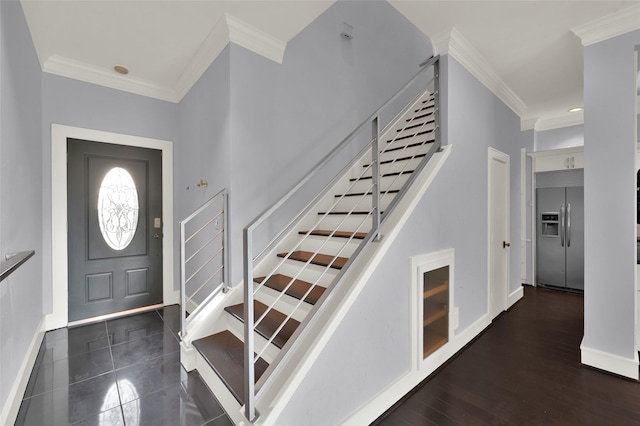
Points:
x=515 y=296
x=396 y=390
x=14 y=399
x=171 y=298
x=627 y=367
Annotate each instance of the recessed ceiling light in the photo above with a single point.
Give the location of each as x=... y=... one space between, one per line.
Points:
x=121 y=70
x=576 y=109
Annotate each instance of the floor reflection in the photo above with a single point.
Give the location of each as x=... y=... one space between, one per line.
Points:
x=81 y=376
x=126 y=392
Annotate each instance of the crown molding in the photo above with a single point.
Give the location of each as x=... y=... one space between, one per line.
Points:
x=440 y=43
x=255 y=40
x=528 y=123
x=606 y=27
x=77 y=70
x=228 y=29
x=463 y=51
x=540 y=124
x=209 y=50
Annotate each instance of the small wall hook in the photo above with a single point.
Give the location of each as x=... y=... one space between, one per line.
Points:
x=202 y=183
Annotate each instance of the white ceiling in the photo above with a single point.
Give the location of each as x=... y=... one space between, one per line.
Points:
x=528 y=47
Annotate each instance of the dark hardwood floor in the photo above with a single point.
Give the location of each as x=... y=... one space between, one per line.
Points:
x=523 y=370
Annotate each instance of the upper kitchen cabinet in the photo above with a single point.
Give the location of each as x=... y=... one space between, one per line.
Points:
x=558 y=159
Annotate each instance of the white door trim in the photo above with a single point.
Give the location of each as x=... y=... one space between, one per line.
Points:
x=59 y=317
x=494 y=154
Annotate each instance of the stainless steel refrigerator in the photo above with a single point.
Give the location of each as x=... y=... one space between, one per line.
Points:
x=560 y=237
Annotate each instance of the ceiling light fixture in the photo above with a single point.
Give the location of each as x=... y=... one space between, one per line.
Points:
x=121 y=70
x=576 y=109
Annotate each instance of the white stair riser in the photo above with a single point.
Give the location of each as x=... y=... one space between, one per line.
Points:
x=327 y=278
x=406 y=151
x=428 y=138
x=386 y=183
x=313 y=274
x=236 y=327
x=330 y=246
x=400 y=166
x=414 y=134
x=362 y=202
x=286 y=304
x=353 y=223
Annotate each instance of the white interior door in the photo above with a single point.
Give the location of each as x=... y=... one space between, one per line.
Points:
x=498 y=231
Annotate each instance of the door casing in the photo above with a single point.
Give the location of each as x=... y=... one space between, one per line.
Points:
x=499 y=291
x=59 y=317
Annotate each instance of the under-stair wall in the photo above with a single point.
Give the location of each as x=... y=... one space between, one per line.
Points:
x=366 y=363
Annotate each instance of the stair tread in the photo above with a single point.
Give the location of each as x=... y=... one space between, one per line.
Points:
x=360 y=194
x=318 y=259
x=297 y=289
x=359 y=213
x=411 y=145
x=424 y=107
x=424 y=132
x=405 y=172
x=225 y=354
x=407 y=158
x=268 y=326
x=337 y=234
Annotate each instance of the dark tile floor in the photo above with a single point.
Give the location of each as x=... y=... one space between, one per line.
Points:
x=124 y=371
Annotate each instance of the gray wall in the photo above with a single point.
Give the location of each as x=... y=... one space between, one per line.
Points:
x=285 y=118
x=203 y=149
x=609 y=180
x=21 y=188
x=565 y=137
x=371 y=348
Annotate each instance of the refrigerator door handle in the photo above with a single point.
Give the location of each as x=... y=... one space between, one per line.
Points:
x=568 y=224
x=562 y=225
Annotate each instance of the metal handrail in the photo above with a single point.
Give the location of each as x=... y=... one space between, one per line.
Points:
x=375 y=213
x=325 y=160
x=222 y=251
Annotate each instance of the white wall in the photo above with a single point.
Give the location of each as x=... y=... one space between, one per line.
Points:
x=21 y=188
x=371 y=348
x=610 y=206
x=565 y=137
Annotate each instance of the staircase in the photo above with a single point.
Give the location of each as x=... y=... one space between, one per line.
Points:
x=294 y=275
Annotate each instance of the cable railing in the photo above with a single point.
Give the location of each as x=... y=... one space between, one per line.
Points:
x=365 y=201
x=203 y=257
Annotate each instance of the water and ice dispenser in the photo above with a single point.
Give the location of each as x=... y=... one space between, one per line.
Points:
x=550 y=224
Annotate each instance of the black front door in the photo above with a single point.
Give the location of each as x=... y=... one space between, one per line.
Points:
x=114 y=228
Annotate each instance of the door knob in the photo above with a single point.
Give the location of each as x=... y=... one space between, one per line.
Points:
x=505 y=244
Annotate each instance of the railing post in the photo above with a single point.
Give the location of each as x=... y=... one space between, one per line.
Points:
x=436 y=103
x=225 y=242
x=249 y=371
x=183 y=284
x=375 y=174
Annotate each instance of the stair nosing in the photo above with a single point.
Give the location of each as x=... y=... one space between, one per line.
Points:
x=313 y=260
x=310 y=298
x=262 y=330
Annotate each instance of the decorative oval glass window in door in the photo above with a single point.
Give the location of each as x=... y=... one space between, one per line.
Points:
x=118 y=208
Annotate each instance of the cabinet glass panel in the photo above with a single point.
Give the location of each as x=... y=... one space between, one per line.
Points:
x=435 y=312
